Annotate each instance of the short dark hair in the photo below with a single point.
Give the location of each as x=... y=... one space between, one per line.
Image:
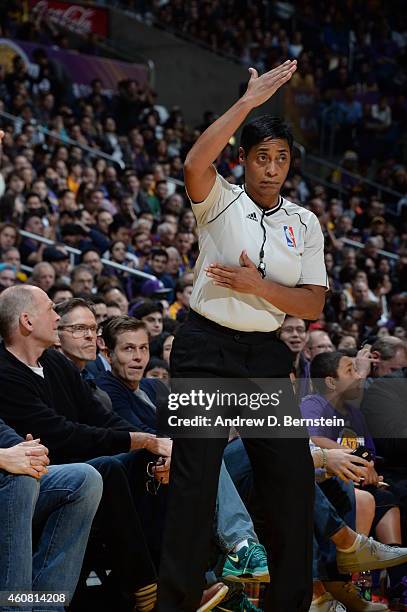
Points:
x=32 y=194
x=120 y=325
x=97 y=299
x=90 y=249
x=323 y=365
x=65 y=307
x=116 y=225
x=156 y=362
x=265 y=128
x=102 y=325
x=60 y=286
x=145 y=308
x=182 y=284
x=157 y=344
x=158 y=252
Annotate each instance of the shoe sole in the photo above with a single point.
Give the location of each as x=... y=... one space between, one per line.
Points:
x=252 y=578
x=215 y=600
x=365 y=567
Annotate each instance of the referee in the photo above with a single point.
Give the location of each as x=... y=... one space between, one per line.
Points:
x=261 y=257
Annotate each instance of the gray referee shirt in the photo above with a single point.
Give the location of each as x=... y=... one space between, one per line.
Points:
x=229 y=221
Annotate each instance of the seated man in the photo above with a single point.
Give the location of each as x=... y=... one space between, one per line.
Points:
x=293 y=333
x=58 y=501
x=137 y=399
x=384 y=408
x=389 y=355
x=41 y=392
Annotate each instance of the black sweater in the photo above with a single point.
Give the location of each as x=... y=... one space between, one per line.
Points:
x=384 y=407
x=59 y=409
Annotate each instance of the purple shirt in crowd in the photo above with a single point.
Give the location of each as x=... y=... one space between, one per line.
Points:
x=352 y=434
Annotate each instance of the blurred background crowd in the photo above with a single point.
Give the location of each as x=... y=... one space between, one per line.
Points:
x=130 y=207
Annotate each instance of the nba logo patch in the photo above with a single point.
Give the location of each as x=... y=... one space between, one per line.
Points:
x=289 y=236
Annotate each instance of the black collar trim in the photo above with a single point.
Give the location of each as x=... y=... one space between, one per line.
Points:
x=266 y=211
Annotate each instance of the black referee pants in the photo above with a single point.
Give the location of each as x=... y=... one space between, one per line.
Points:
x=282 y=470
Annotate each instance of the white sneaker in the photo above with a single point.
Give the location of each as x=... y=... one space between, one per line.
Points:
x=326 y=603
x=370 y=555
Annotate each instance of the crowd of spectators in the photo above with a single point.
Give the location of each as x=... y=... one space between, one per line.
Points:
x=132 y=209
x=351 y=58
x=139 y=215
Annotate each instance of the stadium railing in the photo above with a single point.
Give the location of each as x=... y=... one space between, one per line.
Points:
x=72 y=252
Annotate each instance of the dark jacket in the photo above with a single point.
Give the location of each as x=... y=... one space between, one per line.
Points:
x=131 y=407
x=384 y=407
x=59 y=409
x=8 y=436
x=96 y=367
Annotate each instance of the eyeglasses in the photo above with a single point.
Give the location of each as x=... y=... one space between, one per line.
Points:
x=152 y=484
x=79 y=331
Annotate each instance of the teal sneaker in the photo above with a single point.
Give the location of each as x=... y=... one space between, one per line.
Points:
x=237 y=603
x=249 y=564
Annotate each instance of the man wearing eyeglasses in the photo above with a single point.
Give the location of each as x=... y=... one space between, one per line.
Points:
x=78 y=340
x=293 y=333
x=41 y=392
x=318 y=342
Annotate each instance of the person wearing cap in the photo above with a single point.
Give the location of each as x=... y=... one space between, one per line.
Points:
x=59 y=260
x=154 y=288
x=261 y=258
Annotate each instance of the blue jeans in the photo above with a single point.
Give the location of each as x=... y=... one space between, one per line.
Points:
x=239 y=467
x=61 y=507
x=327 y=523
x=233 y=523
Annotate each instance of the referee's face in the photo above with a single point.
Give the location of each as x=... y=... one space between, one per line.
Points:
x=266 y=168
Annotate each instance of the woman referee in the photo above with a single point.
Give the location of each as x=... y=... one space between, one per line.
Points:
x=261 y=257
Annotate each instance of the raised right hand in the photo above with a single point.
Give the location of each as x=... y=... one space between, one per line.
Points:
x=261 y=88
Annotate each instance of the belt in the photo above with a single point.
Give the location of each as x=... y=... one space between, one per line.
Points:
x=236 y=334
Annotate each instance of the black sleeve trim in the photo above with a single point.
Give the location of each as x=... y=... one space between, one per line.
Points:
x=295 y=213
x=225 y=209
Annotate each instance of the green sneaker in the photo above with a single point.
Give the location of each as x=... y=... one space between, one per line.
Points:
x=249 y=564
x=237 y=603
